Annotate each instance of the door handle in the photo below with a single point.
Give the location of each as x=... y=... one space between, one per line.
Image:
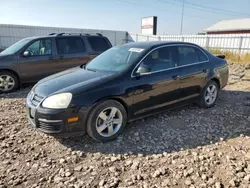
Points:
x=205 y=70
x=175 y=77
x=61 y=57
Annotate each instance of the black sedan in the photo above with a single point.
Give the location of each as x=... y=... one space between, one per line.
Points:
x=125 y=83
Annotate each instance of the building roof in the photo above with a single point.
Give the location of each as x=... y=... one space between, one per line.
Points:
x=230 y=25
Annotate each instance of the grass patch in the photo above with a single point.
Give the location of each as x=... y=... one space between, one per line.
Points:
x=235 y=57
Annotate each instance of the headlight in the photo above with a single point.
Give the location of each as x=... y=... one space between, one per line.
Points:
x=58 y=101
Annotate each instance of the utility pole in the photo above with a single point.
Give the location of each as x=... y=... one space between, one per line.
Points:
x=182 y=14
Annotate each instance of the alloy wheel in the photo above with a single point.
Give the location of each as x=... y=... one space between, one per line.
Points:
x=211 y=94
x=6 y=83
x=109 y=122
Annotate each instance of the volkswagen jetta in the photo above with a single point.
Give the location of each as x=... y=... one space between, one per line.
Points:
x=125 y=83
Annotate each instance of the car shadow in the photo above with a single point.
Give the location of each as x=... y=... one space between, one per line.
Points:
x=179 y=129
x=18 y=94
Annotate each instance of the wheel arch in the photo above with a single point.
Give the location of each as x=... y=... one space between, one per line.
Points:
x=115 y=98
x=217 y=81
x=12 y=71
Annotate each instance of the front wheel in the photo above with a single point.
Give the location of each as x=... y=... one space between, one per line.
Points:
x=8 y=82
x=106 y=121
x=209 y=95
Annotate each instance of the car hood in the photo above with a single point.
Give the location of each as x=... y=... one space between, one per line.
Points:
x=68 y=81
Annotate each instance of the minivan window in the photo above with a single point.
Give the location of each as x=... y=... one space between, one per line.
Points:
x=98 y=44
x=161 y=59
x=187 y=55
x=115 y=59
x=40 y=47
x=201 y=55
x=70 y=45
x=15 y=47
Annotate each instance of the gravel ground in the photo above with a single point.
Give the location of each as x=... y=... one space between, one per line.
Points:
x=188 y=147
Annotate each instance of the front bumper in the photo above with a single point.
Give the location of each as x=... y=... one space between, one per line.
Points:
x=55 y=121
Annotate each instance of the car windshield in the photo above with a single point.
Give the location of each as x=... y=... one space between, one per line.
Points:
x=116 y=59
x=15 y=47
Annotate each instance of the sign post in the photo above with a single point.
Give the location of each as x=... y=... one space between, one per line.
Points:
x=149 y=25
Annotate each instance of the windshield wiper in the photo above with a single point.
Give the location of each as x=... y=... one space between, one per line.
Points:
x=94 y=70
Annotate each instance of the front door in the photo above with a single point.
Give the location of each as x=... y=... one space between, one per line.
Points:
x=194 y=68
x=38 y=62
x=160 y=88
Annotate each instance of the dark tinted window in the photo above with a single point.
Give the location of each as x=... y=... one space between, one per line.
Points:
x=70 y=45
x=98 y=44
x=187 y=55
x=161 y=59
x=201 y=55
x=40 y=47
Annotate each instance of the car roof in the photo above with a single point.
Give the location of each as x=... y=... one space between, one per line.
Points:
x=154 y=44
x=54 y=36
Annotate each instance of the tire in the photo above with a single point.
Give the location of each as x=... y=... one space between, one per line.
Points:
x=203 y=101
x=97 y=117
x=9 y=79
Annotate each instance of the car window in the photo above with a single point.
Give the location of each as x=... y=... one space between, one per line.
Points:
x=201 y=55
x=161 y=59
x=116 y=59
x=70 y=45
x=40 y=47
x=187 y=55
x=15 y=47
x=98 y=44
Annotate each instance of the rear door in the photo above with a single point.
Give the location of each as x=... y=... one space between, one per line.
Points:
x=193 y=65
x=71 y=52
x=39 y=63
x=97 y=45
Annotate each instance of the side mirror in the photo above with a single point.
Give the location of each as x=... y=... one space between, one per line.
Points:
x=143 y=70
x=26 y=54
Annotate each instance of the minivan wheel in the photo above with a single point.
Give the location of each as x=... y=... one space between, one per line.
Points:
x=209 y=95
x=106 y=121
x=8 y=82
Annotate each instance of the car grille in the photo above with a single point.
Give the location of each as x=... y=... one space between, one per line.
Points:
x=50 y=126
x=36 y=100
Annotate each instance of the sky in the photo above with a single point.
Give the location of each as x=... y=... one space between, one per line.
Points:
x=123 y=15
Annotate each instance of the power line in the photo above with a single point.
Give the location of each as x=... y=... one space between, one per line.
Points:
x=208 y=8
x=159 y=9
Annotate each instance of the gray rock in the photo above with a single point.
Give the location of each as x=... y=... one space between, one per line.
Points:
x=204 y=177
x=211 y=181
x=232 y=182
x=58 y=179
x=241 y=174
x=218 y=185
x=135 y=165
x=68 y=174
x=62 y=161
x=78 y=168
x=247 y=178
x=188 y=182
x=156 y=174
x=112 y=169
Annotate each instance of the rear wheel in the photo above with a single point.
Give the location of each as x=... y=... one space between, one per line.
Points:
x=209 y=95
x=106 y=121
x=8 y=82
